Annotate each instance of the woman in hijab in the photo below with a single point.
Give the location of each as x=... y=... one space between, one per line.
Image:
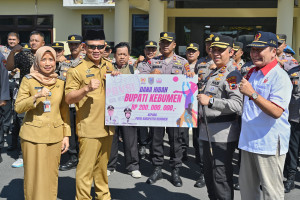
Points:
x=45 y=126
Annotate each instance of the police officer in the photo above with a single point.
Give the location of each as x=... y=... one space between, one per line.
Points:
x=294 y=118
x=238 y=53
x=75 y=46
x=167 y=63
x=150 y=51
x=129 y=133
x=108 y=51
x=222 y=103
x=60 y=51
x=192 y=54
x=206 y=61
x=286 y=61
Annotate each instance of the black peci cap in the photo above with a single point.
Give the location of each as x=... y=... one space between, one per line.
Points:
x=95 y=35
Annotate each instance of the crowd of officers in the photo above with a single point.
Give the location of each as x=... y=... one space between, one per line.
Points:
x=219 y=74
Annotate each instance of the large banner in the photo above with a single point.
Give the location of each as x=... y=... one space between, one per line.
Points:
x=151 y=100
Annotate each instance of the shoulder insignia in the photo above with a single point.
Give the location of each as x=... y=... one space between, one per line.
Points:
x=77 y=64
x=67 y=61
x=28 y=76
x=174 y=57
x=294 y=74
x=149 y=61
x=232 y=82
x=187 y=67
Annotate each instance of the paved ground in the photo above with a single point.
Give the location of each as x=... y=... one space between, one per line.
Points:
x=122 y=185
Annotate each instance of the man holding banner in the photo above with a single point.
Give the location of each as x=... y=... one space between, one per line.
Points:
x=221 y=104
x=167 y=63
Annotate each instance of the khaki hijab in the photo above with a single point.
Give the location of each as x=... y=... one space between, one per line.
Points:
x=35 y=70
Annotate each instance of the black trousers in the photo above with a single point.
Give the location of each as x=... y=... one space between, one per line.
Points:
x=291 y=161
x=17 y=123
x=73 y=139
x=129 y=135
x=1 y=128
x=143 y=135
x=185 y=139
x=219 y=173
x=198 y=146
x=7 y=116
x=157 y=147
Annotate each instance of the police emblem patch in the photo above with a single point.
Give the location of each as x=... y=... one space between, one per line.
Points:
x=232 y=82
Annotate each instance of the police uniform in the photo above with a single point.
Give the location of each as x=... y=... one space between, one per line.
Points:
x=171 y=65
x=237 y=46
x=221 y=114
x=41 y=137
x=246 y=67
x=143 y=133
x=94 y=137
x=4 y=96
x=289 y=61
x=62 y=69
x=129 y=135
x=294 y=119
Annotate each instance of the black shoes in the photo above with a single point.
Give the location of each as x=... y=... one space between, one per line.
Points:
x=142 y=152
x=176 y=180
x=200 y=183
x=155 y=176
x=288 y=186
x=236 y=186
x=71 y=164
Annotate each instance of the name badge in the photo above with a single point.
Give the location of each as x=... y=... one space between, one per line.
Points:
x=47 y=106
x=38 y=88
x=90 y=75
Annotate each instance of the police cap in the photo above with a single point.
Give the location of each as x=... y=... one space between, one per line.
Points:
x=170 y=36
x=237 y=46
x=222 y=41
x=74 y=38
x=57 y=45
x=150 y=43
x=281 y=38
x=25 y=46
x=194 y=46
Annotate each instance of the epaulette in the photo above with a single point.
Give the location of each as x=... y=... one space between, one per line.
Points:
x=61 y=78
x=106 y=59
x=77 y=64
x=28 y=76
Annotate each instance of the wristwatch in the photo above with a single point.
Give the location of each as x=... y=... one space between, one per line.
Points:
x=254 y=96
x=211 y=102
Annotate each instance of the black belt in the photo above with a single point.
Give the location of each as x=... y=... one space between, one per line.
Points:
x=222 y=118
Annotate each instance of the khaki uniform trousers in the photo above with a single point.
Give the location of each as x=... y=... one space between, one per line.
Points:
x=41 y=162
x=92 y=167
x=264 y=170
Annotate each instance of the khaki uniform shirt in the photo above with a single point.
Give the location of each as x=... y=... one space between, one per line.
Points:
x=90 y=110
x=39 y=126
x=222 y=85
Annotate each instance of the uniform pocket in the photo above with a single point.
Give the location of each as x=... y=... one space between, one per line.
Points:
x=176 y=71
x=58 y=123
x=35 y=123
x=263 y=90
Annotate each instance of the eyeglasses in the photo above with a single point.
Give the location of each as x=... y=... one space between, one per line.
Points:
x=96 y=46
